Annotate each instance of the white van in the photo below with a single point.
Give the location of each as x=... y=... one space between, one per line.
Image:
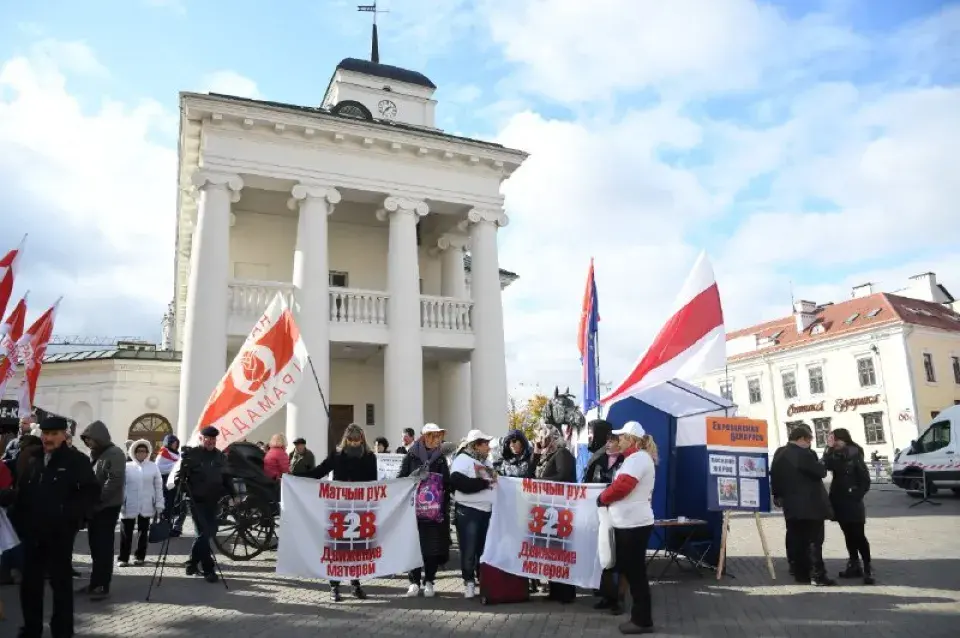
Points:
x=936 y=453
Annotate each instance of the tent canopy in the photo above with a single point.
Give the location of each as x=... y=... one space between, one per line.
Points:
x=681 y=399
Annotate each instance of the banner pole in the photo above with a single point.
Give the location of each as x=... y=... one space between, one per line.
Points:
x=326 y=408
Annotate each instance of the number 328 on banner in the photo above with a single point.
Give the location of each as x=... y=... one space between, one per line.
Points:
x=551 y=521
x=352 y=526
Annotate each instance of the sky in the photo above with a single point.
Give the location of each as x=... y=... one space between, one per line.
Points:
x=806 y=145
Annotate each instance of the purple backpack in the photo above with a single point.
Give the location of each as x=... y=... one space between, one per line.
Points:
x=430 y=499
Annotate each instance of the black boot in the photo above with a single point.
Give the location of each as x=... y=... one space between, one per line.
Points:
x=867 y=574
x=358 y=593
x=853 y=569
x=335 y=593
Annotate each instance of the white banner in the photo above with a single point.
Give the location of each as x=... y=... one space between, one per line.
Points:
x=541 y=529
x=347 y=531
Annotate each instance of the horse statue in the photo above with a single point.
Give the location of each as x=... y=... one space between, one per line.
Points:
x=563 y=412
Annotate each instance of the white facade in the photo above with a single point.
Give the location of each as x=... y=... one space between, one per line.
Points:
x=761 y=387
x=363 y=225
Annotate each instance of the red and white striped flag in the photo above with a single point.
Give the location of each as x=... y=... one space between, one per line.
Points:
x=10 y=331
x=31 y=348
x=692 y=342
x=8 y=271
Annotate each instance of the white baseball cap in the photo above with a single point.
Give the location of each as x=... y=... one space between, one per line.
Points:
x=632 y=428
x=476 y=435
x=431 y=428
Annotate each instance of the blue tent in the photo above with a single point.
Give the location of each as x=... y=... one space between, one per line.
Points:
x=674 y=414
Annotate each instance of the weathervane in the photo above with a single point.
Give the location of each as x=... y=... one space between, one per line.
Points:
x=375 y=45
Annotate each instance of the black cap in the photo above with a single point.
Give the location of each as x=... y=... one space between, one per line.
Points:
x=210 y=431
x=300 y=441
x=54 y=423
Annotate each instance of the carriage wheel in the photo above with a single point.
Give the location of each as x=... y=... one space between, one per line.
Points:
x=244 y=530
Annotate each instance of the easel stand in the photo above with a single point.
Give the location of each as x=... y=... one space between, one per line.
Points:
x=763 y=544
x=926 y=494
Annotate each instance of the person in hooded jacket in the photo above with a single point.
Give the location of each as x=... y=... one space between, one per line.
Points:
x=515 y=455
x=166 y=460
x=353 y=462
x=605 y=460
x=552 y=461
x=142 y=500
x=851 y=481
x=426 y=457
x=110 y=468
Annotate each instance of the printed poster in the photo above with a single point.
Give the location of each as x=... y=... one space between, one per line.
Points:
x=388 y=466
x=723 y=465
x=737 y=468
x=727 y=493
x=749 y=493
x=542 y=529
x=347 y=531
x=752 y=466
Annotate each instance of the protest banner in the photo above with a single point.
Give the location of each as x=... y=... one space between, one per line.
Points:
x=347 y=531
x=542 y=529
x=388 y=465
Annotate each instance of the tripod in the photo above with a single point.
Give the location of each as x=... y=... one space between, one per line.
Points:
x=182 y=498
x=925 y=493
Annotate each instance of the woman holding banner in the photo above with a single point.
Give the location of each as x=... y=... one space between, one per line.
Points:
x=604 y=463
x=631 y=512
x=425 y=457
x=353 y=462
x=472 y=479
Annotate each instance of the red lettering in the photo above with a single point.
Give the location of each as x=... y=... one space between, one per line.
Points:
x=352 y=526
x=278 y=393
x=551 y=521
x=288 y=379
x=253 y=416
x=265 y=404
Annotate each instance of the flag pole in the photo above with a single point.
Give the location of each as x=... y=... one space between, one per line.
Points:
x=596 y=369
x=326 y=408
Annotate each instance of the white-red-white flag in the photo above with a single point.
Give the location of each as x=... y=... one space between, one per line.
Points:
x=263 y=377
x=692 y=342
x=10 y=331
x=31 y=348
x=8 y=272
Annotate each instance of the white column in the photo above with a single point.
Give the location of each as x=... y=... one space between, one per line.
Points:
x=488 y=366
x=403 y=357
x=205 y=325
x=454 y=375
x=306 y=416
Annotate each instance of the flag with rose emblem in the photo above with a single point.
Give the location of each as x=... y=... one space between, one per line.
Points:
x=263 y=377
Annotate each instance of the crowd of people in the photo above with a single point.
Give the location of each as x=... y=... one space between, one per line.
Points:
x=51 y=491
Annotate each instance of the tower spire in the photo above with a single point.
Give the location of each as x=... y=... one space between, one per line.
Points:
x=374 y=40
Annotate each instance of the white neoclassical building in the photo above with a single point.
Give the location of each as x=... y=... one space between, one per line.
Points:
x=362 y=213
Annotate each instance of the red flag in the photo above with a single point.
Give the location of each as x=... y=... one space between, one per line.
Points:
x=31 y=348
x=10 y=333
x=8 y=270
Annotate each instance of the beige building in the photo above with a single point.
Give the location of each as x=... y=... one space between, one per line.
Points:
x=879 y=364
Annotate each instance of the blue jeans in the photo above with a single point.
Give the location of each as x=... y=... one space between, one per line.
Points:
x=472 y=527
x=205 y=520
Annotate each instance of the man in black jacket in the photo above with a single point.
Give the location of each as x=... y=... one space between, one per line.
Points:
x=796 y=480
x=202 y=473
x=56 y=491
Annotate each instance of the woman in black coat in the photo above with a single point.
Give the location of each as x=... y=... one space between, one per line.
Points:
x=552 y=461
x=604 y=462
x=426 y=457
x=851 y=481
x=351 y=462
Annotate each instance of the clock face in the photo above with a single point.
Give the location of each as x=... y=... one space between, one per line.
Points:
x=387 y=109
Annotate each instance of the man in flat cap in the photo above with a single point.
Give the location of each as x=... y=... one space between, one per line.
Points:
x=201 y=473
x=55 y=493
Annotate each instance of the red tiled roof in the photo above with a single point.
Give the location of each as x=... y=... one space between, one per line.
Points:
x=849 y=317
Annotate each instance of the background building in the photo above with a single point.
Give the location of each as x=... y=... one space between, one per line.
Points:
x=880 y=365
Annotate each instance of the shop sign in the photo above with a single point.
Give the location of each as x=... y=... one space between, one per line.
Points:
x=843 y=405
x=797 y=408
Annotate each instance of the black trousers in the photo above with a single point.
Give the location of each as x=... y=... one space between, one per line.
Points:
x=806 y=540
x=631 y=549
x=47 y=554
x=101 y=533
x=205 y=521
x=855 y=537
x=428 y=574
x=142 y=524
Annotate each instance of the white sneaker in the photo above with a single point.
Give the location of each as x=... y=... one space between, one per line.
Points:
x=123 y=563
x=413 y=590
x=428 y=590
x=469 y=590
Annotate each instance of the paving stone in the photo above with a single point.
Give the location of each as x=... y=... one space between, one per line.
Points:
x=917 y=564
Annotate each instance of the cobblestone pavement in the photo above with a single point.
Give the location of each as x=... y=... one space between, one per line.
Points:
x=917 y=562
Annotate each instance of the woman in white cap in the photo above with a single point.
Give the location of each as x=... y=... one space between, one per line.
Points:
x=425 y=458
x=631 y=512
x=472 y=479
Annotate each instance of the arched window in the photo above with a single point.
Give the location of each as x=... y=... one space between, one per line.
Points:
x=352 y=108
x=151 y=427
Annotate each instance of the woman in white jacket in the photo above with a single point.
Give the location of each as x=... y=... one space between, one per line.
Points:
x=142 y=500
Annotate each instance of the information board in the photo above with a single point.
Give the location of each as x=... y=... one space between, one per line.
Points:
x=737 y=474
x=388 y=466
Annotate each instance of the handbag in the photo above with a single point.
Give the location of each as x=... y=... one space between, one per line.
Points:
x=159 y=529
x=429 y=503
x=606 y=545
x=8 y=536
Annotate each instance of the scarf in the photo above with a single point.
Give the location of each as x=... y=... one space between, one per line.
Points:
x=427 y=457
